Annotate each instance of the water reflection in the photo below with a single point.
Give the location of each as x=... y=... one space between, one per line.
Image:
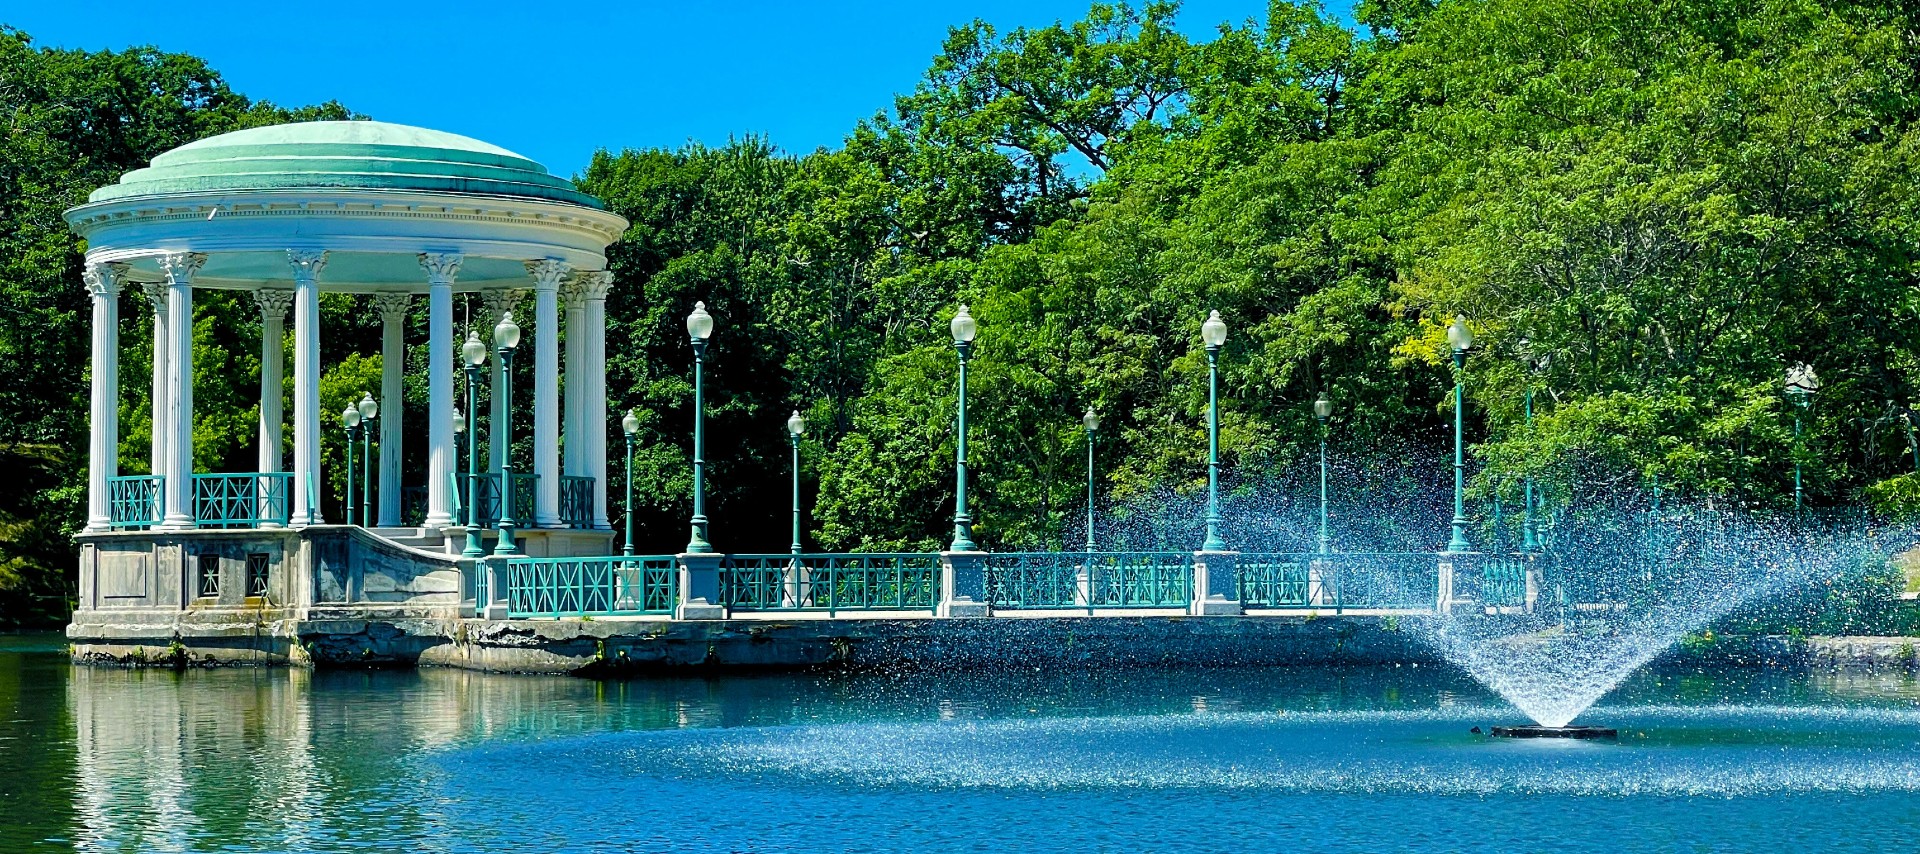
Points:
x=442 y=760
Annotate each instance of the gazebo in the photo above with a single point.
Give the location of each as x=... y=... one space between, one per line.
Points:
x=388 y=212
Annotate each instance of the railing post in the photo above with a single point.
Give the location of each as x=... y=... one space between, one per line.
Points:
x=1443 y=595
x=490 y=588
x=963 y=584
x=699 y=587
x=1318 y=569
x=1213 y=575
x=1534 y=580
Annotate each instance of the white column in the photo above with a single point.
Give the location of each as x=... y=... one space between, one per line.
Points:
x=498 y=302
x=393 y=363
x=593 y=407
x=274 y=303
x=573 y=432
x=547 y=274
x=103 y=454
x=156 y=294
x=180 y=268
x=441 y=269
x=306 y=264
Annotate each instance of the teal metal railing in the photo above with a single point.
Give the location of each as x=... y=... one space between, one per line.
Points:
x=576 y=501
x=1280 y=581
x=413 y=500
x=1398 y=580
x=524 y=485
x=1089 y=580
x=136 y=501
x=896 y=581
x=1503 y=581
x=592 y=586
x=246 y=500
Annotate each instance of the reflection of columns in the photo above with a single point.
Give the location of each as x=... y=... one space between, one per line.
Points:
x=180 y=268
x=103 y=454
x=156 y=294
x=306 y=265
x=273 y=345
x=498 y=302
x=573 y=444
x=441 y=270
x=393 y=363
x=546 y=274
x=593 y=406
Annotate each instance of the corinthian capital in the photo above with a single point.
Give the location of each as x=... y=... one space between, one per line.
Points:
x=181 y=267
x=156 y=294
x=392 y=307
x=441 y=267
x=547 y=273
x=306 y=263
x=274 y=302
x=594 y=285
x=498 y=301
x=104 y=280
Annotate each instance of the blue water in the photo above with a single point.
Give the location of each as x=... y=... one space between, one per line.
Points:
x=1257 y=760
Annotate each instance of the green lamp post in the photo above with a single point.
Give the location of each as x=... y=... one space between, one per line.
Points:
x=963 y=329
x=1802 y=384
x=1213 y=332
x=369 y=414
x=1322 y=409
x=1091 y=421
x=506 y=336
x=630 y=425
x=350 y=421
x=1536 y=364
x=473 y=354
x=1461 y=340
x=796 y=427
x=699 y=328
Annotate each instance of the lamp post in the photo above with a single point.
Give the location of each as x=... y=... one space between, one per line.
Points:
x=963 y=328
x=1213 y=332
x=1322 y=408
x=369 y=414
x=796 y=427
x=1802 y=384
x=1536 y=364
x=350 y=422
x=1913 y=442
x=1091 y=421
x=1462 y=340
x=474 y=355
x=506 y=336
x=699 y=327
x=630 y=425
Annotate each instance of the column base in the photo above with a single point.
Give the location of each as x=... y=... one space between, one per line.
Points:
x=699 y=609
x=1217 y=606
x=179 y=523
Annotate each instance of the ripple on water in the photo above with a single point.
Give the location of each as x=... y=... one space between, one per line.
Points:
x=1693 y=751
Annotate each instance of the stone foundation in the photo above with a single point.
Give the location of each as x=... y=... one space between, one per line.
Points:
x=638 y=646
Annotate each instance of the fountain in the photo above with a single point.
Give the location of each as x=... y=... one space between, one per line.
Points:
x=1605 y=604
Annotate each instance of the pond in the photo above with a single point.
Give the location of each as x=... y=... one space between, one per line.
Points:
x=1374 y=759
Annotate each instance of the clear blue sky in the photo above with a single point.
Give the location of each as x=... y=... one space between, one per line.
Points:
x=556 y=80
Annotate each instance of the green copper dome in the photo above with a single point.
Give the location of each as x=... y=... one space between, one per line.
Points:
x=343 y=155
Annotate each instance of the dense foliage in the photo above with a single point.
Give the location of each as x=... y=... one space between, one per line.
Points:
x=1670 y=201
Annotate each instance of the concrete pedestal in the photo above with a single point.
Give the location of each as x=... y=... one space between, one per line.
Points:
x=699 y=587
x=1214 y=593
x=963 y=584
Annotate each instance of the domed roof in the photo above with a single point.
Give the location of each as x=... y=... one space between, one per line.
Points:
x=348 y=155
